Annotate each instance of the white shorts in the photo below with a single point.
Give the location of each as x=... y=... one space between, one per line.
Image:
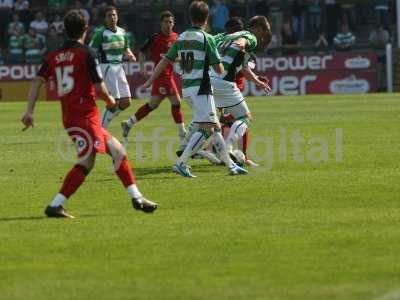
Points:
x=225 y=93
x=239 y=110
x=115 y=80
x=203 y=107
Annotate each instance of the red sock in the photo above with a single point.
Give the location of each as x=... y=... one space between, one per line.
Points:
x=177 y=113
x=73 y=180
x=245 y=141
x=125 y=173
x=143 y=111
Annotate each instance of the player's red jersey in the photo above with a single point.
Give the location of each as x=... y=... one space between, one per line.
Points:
x=157 y=46
x=74 y=69
x=240 y=81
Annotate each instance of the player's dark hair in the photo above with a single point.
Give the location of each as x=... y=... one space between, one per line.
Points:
x=234 y=24
x=75 y=24
x=260 y=22
x=109 y=8
x=166 y=14
x=198 y=12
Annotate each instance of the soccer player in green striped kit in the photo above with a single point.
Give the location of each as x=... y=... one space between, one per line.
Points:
x=111 y=44
x=196 y=51
x=236 y=49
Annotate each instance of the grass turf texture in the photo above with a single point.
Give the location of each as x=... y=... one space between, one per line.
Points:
x=326 y=230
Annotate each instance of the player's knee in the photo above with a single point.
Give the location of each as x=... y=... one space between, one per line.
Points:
x=124 y=103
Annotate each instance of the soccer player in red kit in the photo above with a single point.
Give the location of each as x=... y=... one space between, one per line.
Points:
x=77 y=76
x=165 y=86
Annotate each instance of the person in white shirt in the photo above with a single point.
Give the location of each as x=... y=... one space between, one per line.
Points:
x=40 y=24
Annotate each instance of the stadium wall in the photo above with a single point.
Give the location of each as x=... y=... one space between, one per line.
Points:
x=330 y=73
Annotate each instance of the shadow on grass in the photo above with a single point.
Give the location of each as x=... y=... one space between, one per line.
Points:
x=37 y=218
x=167 y=173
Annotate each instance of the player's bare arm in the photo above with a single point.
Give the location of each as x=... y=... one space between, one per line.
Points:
x=218 y=68
x=241 y=43
x=27 y=118
x=129 y=54
x=261 y=82
x=102 y=91
x=162 y=65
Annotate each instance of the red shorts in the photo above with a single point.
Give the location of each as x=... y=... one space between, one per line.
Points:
x=164 y=87
x=89 y=137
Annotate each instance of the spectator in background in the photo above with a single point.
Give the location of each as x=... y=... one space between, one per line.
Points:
x=58 y=25
x=321 y=45
x=313 y=18
x=261 y=8
x=53 y=40
x=40 y=24
x=219 y=13
x=379 y=37
x=345 y=39
x=21 y=5
x=16 y=46
x=290 y=44
x=15 y=24
x=297 y=10
x=382 y=13
x=275 y=15
x=79 y=6
x=332 y=16
x=5 y=14
x=348 y=13
x=34 y=45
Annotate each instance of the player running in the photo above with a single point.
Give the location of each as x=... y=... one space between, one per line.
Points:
x=197 y=51
x=165 y=86
x=77 y=77
x=236 y=49
x=111 y=44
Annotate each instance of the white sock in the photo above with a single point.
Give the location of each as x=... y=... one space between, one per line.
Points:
x=195 y=143
x=108 y=116
x=134 y=192
x=237 y=131
x=192 y=128
x=58 y=200
x=131 y=121
x=222 y=150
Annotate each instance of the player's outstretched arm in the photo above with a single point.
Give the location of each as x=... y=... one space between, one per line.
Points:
x=102 y=92
x=27 y=118
x=260 y=82
x=162 y=65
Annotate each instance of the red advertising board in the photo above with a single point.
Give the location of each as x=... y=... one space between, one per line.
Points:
x=333 y=73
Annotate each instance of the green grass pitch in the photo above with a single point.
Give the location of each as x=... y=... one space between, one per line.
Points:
x=316 y=221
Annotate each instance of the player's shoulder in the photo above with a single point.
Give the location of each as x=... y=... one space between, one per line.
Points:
x=99 y=29
x=121 y=30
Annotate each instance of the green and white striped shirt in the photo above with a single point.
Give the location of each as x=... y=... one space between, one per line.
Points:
x=110 y=45
x=232 y=57
x=196 y=51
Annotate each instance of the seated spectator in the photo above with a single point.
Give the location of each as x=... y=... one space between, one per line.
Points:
x=53 y=40
x=219 y=13
x=289 y=39
x=40 y=24
x=345 y=39
x=313 y=18
x=34 y=45
x=379 y=37
x=21 y=5
x=16 y=24
x=347 y=8
x=57 y=3
x=16 y=46
x=322 y=44
x=58 y=25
